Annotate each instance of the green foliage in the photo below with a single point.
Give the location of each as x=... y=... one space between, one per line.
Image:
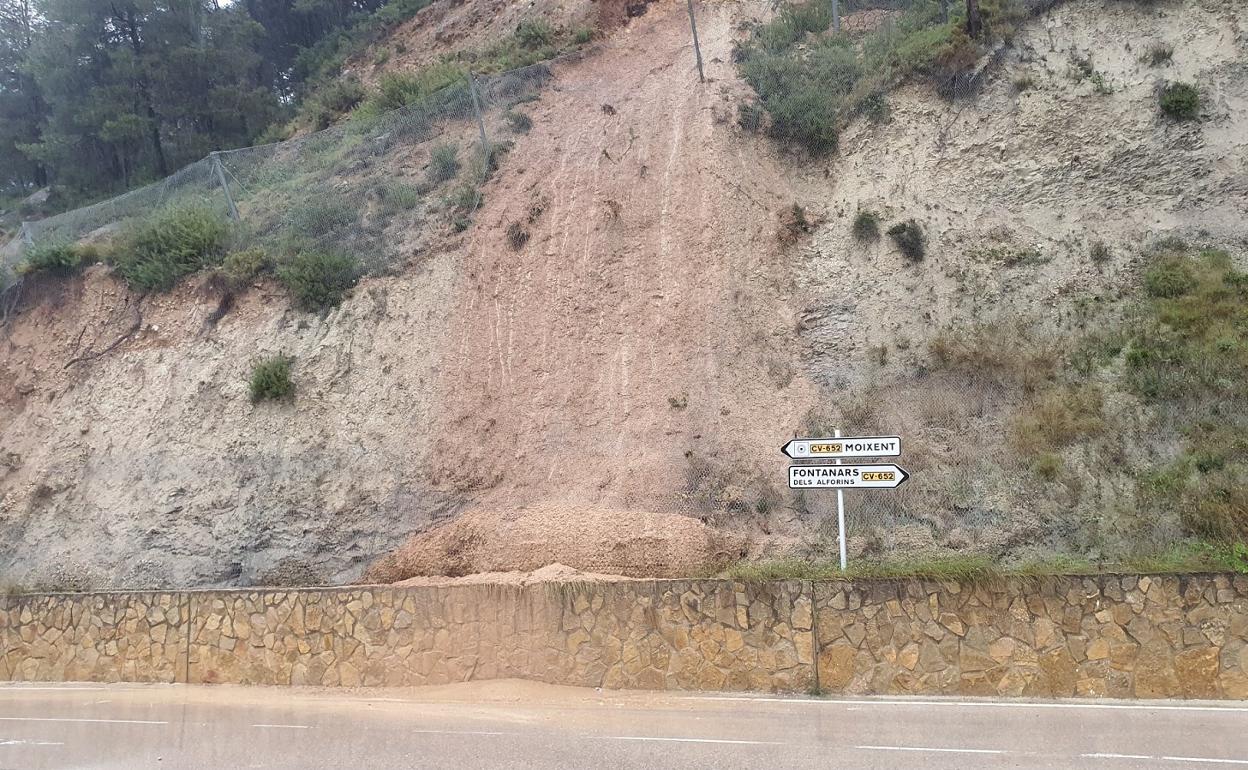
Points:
x=396 y=196
x=1057 y=418
x=319 y=280
x=443 y=164
x=155 y=253
x=534 y=33
x=399 y=89
x=320 y=218
x=518 y=121
x=1099 y=253
x=270 y=380
x=909 y=239
x=750 y=116
x=242 y=266
x=331 y=101
x=55 y=259
x=866 y=226
x=1180 y=101
x=1172 y=277
x=582 y=35
x=1187 y=355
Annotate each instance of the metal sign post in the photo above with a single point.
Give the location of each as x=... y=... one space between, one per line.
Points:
x=840 y=493
x=841 y=477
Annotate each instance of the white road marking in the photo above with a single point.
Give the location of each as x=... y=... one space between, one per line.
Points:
x=929 y=748
x=689 y=740
x=1105 y=755
x=978 y=704
x=1211 y=761
x=289 y=727
x=67 y=719
x=15 y=742
x=458 y=732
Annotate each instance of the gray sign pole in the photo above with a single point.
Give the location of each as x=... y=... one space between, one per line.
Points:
x=840 y=512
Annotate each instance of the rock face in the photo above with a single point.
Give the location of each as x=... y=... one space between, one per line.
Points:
x=1150 y=637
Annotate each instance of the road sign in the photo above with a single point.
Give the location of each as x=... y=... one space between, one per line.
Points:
x=850 y=446
x=846 y=476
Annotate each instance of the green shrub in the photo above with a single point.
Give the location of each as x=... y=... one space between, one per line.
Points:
x=270 y=380
x=396 y=196
x=443 y=163
x=1057 y=418
x=534 y=33
x=750 y=116
x=518 y=121
x=154 y=254
x=1099 y=252
x=866 y=226
x=54 y=259
x=242 y=267
x=332 y=101
x=1024 y=83
x=909 y=239
x=319 y=280
x=399 y=89
x=1180 y=101
x=582 y=35
x=321 y=217
x=1169 y=278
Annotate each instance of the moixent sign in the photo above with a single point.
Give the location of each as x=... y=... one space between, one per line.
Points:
x=832 y=448
x=846 y=476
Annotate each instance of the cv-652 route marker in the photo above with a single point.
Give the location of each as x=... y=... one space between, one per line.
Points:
x=846 y=476
x=841 y=477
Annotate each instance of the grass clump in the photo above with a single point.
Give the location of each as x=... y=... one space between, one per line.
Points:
x=533 y=34
x=1170 y=278
x=1159 y=54
x=154 y=254
x=241 y=267
x=518 y=122
x=443 y=164
x=750 y=116
x=60 y=259
x=270 y=380
x=319 y=280
x=866 y=227
x=1056 y=419
x=961 y=568
x=909 y=239
x=331 y=101
x=396 y=196
x=1180 y=101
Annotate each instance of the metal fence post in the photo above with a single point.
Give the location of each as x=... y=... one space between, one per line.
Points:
x=225 y=187
x=697 y=47
x=836 y=16
x=485 y=142
x=27 y=238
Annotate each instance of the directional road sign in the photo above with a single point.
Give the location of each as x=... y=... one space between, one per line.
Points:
x=849 y=446
x=846 y=476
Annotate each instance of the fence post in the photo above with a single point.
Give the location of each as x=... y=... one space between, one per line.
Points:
x=27 y=239
x=225 y=187
x=485 y=142
x=944 y=11
x=836 y=16
x=697 y=47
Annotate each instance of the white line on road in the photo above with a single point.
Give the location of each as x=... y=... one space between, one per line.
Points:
x=929 y=748
x=976 y=704
x=689 y=740
x=1211 y=761
x=16 y=742
x=288 y=727
x=1106 y=755
x=67 y=719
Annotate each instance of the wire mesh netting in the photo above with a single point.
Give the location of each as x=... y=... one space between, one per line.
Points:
x=365 y=186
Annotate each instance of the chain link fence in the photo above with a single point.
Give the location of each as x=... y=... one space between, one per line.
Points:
x=366 y=186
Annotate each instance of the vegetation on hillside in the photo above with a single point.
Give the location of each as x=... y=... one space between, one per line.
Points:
x=168 y=82
x=811 y=80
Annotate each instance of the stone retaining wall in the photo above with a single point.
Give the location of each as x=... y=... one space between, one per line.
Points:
x=1109 y=636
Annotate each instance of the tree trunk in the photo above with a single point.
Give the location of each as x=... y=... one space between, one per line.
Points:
x=131 y=26
x=974 y=22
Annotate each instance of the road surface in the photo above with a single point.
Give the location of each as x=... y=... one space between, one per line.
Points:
x=525 y=725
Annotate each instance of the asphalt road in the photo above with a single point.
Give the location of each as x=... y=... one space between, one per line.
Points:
x=523 y=725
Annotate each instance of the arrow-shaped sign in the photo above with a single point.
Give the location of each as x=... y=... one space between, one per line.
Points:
x=846 y=476
x=849 y=446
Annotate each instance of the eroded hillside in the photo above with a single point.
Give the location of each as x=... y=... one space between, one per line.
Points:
x=600 y=370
